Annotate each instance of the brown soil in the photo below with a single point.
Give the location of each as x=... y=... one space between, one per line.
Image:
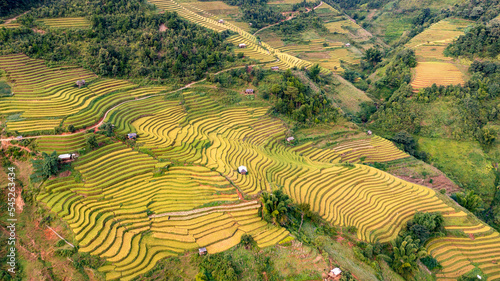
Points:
x=38 y=31
x=371 y=14
x=65 y=174
x=50 y=235
x=14 y=18
x=19 y=201
x=438 y=183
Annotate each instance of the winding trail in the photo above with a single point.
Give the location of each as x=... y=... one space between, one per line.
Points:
x=290 y=18
x=98 y=124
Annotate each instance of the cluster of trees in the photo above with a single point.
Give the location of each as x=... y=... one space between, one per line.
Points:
x=48 y=165
x=298 y=101
x=256 y=12
x=481 y=10
x=408 y=144
x=11 y=7
x=304 y=21
x=228 y=266
x=304 y=4
x=276 y=206
x=481 y=40
x=398 y=71
x=469 y=200
x=355 y=4
x=182 y=53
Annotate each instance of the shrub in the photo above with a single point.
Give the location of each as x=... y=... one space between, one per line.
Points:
x=352 y=229
x=430 y=262
x=247 y=241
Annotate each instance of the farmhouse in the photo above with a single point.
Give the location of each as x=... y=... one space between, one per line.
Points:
x=132 y=135
x=249 y=91
x=289 y=139
x=242 y=45
x=221 y=21
x=369 y=132
x=242 y=170
x=275 y=68
x=80 y=83
x=66 y=157
x=202 y=251
x=348 y=45
x=334 y=272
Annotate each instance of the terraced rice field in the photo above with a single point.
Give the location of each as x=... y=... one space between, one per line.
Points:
x=256 y=48
x=460 y=255
x=339 y=26
x=122 y=213
x=368 y=150
x=431 y=52
x=10 y=25
x=46 y=97
x=441 y=32
x=224 y=138
x=440 y=73
x=217 y=8
x=63 y=144
x=433 y=66
x=65 y=22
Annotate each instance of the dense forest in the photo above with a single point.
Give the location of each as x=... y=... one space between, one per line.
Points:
x=181 y=52
x=481 y=40
x=12 y=7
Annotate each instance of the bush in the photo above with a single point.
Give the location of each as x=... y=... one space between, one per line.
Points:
x=430 y=262
x=247 y=241
x=352 y=229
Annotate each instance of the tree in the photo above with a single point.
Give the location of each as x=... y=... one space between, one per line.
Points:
x=71 y=128
x=469 y=200
x=486 y=136
x=275 y=206
x=404 y=138
x=91 y=142
x=107 y=128
x=50 y=164
x=405 y=255
x=314 y=72
x=373 y=56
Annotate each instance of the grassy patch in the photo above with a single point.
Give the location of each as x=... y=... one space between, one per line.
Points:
x=464 y=162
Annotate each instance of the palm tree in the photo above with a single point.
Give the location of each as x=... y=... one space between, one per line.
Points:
x=405 y=255
x=275 y=206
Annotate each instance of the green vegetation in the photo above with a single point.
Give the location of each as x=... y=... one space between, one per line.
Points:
x=469 y=200
x=406 y=254
x=481 y=41
x=165 y=56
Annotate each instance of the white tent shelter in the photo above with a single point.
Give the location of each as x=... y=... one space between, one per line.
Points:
x=242 y=170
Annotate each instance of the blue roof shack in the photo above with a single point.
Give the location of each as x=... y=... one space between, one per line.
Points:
x=132 y=135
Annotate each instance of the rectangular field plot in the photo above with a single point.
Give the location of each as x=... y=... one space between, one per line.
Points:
x=431 y=52
x=214 y=7
x=341 y=26
x=443 y=31
x=440 y=73
x=66 y=22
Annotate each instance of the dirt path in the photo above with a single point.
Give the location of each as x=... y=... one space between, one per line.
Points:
x=287 y=19
x=14 y=18
x=122 y=103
